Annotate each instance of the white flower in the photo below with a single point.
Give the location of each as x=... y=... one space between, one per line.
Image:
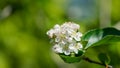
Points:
x=57 y=48
x=70 y=25
x=57 y=30
x=77 y=36
x=57 y=26
x=66 y=38
x=66 y=50
x=75 y=47
x=57 y=39
x=69 y=39
x=50 y=33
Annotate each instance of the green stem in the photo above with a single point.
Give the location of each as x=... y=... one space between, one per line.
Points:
x=72 y=55
x=96 y=62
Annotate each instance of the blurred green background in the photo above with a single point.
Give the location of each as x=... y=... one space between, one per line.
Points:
x=23 y=26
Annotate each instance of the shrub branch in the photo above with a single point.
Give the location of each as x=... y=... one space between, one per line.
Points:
x=96 y=62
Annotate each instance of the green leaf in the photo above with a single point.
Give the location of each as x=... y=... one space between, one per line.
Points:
x=69 y=59
x=72 y=59
x=92 y=37
x=104 y=58
x=101 y=37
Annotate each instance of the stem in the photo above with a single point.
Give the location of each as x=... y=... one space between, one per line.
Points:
x=96 y=62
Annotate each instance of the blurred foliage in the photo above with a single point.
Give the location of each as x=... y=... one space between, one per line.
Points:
x=23 y=26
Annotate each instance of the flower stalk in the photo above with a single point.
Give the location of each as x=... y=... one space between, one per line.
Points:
x=96 y=62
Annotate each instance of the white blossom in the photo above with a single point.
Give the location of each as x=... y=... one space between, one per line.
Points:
x=77 y=36
x=57 y=48
x=66 y=38
x=50 y=33
x=66 y=50
x=70 y=25
x=75 y=47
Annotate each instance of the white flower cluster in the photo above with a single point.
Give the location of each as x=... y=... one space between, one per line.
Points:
x=66 y=38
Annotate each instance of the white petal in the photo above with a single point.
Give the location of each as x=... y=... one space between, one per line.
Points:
x=56 y=26
x=77 y=37
x=63 y=42
x=76 y=51
x=75 y=26
x=57 y=39
x=67 y=52
x=79 y=34
x=79 y=45
x=75 y=47
x=70 y=40
x=57 y=48
x=72 y=48
x=50 y=33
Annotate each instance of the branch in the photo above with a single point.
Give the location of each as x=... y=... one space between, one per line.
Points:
x=96 y=62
